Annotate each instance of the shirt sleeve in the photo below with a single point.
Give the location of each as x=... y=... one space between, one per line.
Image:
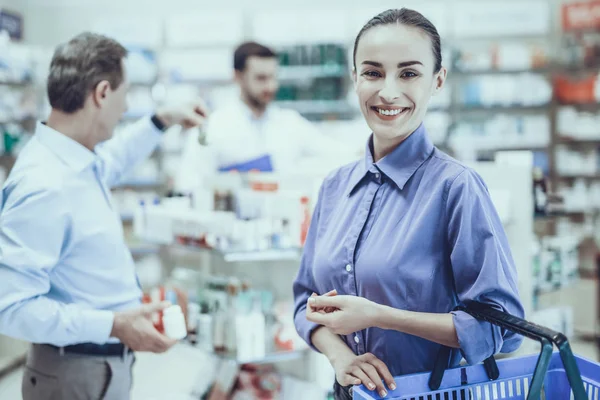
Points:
x=34 y=232
x=483 y=267
x=304 y=285
x=127 y=149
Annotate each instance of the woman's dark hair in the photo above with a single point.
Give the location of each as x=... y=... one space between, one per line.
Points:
x=408 y=17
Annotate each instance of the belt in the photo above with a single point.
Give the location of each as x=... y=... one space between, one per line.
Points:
x=92 y=349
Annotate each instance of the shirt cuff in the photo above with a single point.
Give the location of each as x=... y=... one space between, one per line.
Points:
x=305 y=328
x=96 y=326
x=477 y=339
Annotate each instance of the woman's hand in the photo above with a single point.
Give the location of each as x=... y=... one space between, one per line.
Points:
x=367 y=369
x=343 y=315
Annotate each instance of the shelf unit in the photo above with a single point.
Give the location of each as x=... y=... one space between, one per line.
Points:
x=272 y=357
x=237 y=256
x=140 y=183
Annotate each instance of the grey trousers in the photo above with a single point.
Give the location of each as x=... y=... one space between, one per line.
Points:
x=50 y=375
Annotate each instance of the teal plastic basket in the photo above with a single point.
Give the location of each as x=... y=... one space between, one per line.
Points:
x=551 y=375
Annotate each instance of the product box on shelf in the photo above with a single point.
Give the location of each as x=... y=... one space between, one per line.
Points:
x=238 y=214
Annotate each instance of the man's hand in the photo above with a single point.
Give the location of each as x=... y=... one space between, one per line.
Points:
x=343 y=315
x=367 y=369
x=188 y=115
x=135 y=330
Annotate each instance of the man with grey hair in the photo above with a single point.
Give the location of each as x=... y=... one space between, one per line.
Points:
x=68 y=282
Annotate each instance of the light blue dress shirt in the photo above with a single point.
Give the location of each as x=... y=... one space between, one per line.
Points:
x=415 y=231
x=64 y=264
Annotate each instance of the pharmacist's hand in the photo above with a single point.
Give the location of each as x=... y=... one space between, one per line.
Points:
x=367 y=369
x=134 y=329
x=347 y=314
x=187 y=115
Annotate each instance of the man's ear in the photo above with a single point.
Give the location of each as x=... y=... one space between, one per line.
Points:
x=100 y=92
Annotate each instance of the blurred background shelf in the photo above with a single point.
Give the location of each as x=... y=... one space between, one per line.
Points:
x=307 y=72
x=468 y=108
x=270 y=358
x=140 y=183
x=476 y=72
x=317 y=106
x=244 y=256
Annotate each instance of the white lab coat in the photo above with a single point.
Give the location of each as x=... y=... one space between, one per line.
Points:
x=235 y=136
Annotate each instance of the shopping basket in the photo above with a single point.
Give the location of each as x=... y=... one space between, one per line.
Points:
x=551 y=375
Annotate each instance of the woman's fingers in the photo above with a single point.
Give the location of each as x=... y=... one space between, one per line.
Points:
x=374 y=377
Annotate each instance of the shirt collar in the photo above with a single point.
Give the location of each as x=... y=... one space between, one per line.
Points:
x=400 y=164
x=68 y=150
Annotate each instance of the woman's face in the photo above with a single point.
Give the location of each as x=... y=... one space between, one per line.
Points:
x=394 y=80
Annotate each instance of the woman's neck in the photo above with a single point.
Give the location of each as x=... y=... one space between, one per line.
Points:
x=382 y=146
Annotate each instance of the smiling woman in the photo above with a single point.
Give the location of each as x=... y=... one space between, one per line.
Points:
x=402 y=237
x=397 y=68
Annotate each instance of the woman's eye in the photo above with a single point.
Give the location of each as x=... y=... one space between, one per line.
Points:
x=372 y=74
x=408 y=74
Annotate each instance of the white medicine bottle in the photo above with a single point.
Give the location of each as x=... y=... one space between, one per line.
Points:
x=174 y=323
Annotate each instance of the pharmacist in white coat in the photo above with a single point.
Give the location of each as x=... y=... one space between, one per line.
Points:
x=251 y=133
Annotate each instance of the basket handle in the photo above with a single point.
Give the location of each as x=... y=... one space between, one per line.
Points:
x=545 y=336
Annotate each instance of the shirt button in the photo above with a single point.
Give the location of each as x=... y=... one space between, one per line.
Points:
x=356 y=339
x=377 y=176
x=348 y=267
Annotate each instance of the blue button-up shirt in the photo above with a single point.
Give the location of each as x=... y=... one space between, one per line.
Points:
x=415 y=231
x=64 y=265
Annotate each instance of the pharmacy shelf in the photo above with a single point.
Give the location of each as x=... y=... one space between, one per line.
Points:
x=470 y=73
x=317 y=106
x=466 y=108
x=291 y=254
x=140 y=183
x=15 y=83
x=537 y=147
x=16 y=121
x=305 y=72
x=561 y=214
x=139 y=250
x=265 y=255
x=564 y=139
x=270 y=358
x=142 y=84
x=579 y=176
x=582 y=106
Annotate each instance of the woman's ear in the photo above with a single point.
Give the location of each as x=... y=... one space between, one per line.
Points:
x=354 y=77
x=440 y=80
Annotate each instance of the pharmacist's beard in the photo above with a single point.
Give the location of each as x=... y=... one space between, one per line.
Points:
x=256 y=105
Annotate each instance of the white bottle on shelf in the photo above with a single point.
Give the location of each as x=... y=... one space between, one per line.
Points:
x=257 y=326
x=219 y=321
x=204 y=331
x=244 y=340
